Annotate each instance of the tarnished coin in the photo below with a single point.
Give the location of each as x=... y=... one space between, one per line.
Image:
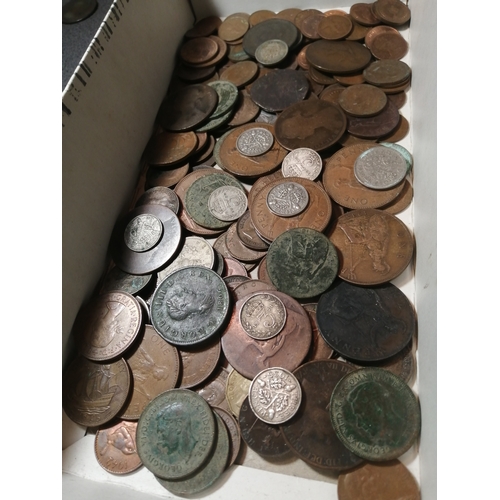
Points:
x=319 y=348
x=238 y=250
x=392 y=12
x=387 y=73
x=399 y=133
x=402 y=201
x=169 y=148
x=176 y=434
x=270 y=29
x=380 y=168
x=198 y=362
x=204 y=27
x=362 y=100
x=160 y=195
x=165 y=177
x=338 y=57
x=198 y=50
x=227 y=203
x=375 y=414
x=234 y=433
x=375 y=126
x=108 y=325
x=241 y=73
x=335 y=27
x=271 y=52
x=233 y=267
x=248 y=235
x=94 y=393
x=302 y=262
x=387 y=45
x=245 y=111
x=237 y=387
x=287 y=199
x=302 y=162
x=143 y=232
x=190 y=306
x=233 y=28
x=213 y=390
x=194 y=75
x=116 y=279
x=254 y=141
x=115 y=448
x=310 y=434
x=228 y=94
x=263 y=316
x=362 y=13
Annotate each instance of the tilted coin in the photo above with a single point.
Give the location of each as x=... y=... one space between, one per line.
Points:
x=169 y=148
x=237 y=387
x=160 y=195
x=234 y=433
x=362 y=13
x=245 y=111
x=254 y=141
x=204 y=27
x=375 y=414
x=376 y=126
x=241 y=73
x=263 y=316
x=227 y=203
x=271 y=52
x=251 y=286
x=116 y=279
x=392 y=12
x=319 y=348
x=248 y=235
x=198 y=50
x=302 y=162
x=190 y=305
x=402 y=201
x=238 y=250
x=176 y=434
x=143 y=232
x=213 y=390
x=287 y=199
x=338 y=57
x=228 y=94
x=234 y=280
x=387 y=73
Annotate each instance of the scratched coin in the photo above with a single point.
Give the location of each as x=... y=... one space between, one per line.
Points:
x=271 y=52
x=143 y=232
x=227 y=203
x=254 y=141
x=287 y=199
x=302 y=162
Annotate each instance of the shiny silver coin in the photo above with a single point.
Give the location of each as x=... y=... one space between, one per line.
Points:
x=143 y=232
x=380 y=168
x=254 y=141
x=287 y=199
x=302 y=162
x=271 y=52
x=227 y=203
x=400 y=149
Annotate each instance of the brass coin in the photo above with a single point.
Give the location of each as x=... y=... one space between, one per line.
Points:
x=362 y=100
x=241 y=73
x=377 y=126
x=335 y=27
x=362 y=13
x=198 y=50
x=233 y=28
x=168 y=148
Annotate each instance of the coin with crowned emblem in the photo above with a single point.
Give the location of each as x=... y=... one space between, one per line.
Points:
x=254 y=141
x=287 y=199
x=143 y=232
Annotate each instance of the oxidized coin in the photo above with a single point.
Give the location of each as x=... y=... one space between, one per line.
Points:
x=387 y=73
x=160 y=195
x=213 y=390
x=270 y=29
x=227 y=203
x=338 y=57
x=375 y=126
x=366 y=324
x=271 y=52
x=380 y=168
x=389 y=480
x=375 y=414
x=254 y=141
x=143 y=232
x=190 y=305
x=287 y=199
x=94 y=393
x=263 y=316
x=108 y=325
x=115 y=448
x=319 y=348
x=302 y=262
x=302 y=162
x=310 y=434
x=228 y=94
x=198 y=50
x=176 y=434
x=373 y=246
x=198 y=362
x=237 y=387
x=234 y=433
x=362 y=100
x=116 y=279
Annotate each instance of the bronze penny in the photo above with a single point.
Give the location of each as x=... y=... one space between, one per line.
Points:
x=233 y=28
x=310 y=124
x=335 y=27
x=399 y=99
x=241 y=73
x=286 y=350
x=315 y=85
x=165 y=177
x=250 y=286
x=94 y=393
x=358 y=32
x=194 y=75
x=349 y=140
x=288 y=14
x=399 y=133
x=168 y=148
x=389 y=480
x=238 y=249
x=204 y=155
x=115 y=448
x=221 y=246
x=387 y=73
x=245 y=111
x=376 y=126
x=233 y=281
x=319 y=348
x=155 y=366
x=232 y=267
x=204 y=27
x=362 y=100
x=270 y=29
x=198 y=363
x=316 y=215
x=221 y=54
x=303 y=14
x=248 y=235
x=262 y=273
x=233 y=429
x=260 y=15
x=213 y=390
x=392 y=12
x=261 y=182
x=198 y=50
x=309 y=25
x=310 y=434
x=332 y=93
x=395 y=90
x=301 y=58
x=379 y=30
x=347 y=80
x=374 y=247
x=388 y=46
x=236 y=53
x=362 y=13
x=401 y=202
x=341 y=183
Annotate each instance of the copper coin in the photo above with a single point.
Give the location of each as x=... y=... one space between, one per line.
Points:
x=233 y=281
x=236 y=53
x=241 y=73
x=286 y=350
x=362 y=100
x=301 y=58
x=200 y=158
x=374 y=32
x=270 y=29
x=194 y=75
x=288 y=14
x=358 y=32
x=399 y=133
x=319 y=348
x=213 y=390
x=335 y=27
x=315 y=216
x=94 y=393
x=155 y=366
x=233 y=28
x=389 y=480
x=332 y=93
x=204 y=27
x=221 y=54
x=392 y=12
x=303 y=14
x=309 y=25
x=374 y=247
x=308 y=433
x=362 y=13
x=165 y=176
x=232 y=267
x=233 y=429
x=261 y=182
x=221 y=246
x=168 y=148
x=245 y=111
x=248 y=235
x=401 y=202
x=238 y=249
x=115 y=448
x=198 y=363
x=260 y=15
x=198 y=50
x=387 y=73
x=399 y=99
x=250 y=286
x=314 y=124
x=376 y=126
x=388 y=46
x=349 y=140
x=262 y=273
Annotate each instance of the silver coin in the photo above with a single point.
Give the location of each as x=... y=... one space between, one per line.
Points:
x=254 y=141
x=227 y=203
x=143 y=232
x=380 y=168
x=287 y=199
x=265 y=117
x=302 y=162
x=160 y=195
x=275 y=395
x=263 y=316
x=406 y=154
x=271 y=52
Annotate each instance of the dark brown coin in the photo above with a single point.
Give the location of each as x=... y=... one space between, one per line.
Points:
x=338 y=57
x=286 y=350
x=248 y=235
x=392 y=12
x=366 y=324
x=358 y=32
x=362 y=13
x=279 y=89
x=401 y=202
x=310 y=124
x=233 y=429
x=165 y=177
x=399 y=133
x=270 y=29
x=303 y=14
x=213 y=390
x=221 y=246
x=245 y=111
x=362 y=100
x=288 y=14
x=377 y=126
x=241 y=73
x=388 y=45
x=387 y=73
x=187 y=108
x=198 y=50
x=239 y=250
x=319 y=348
x=398 y=99
x=94 y=393
x=335 y=27
x=264 y=439
x=353 y=79
x=194 y=75
x=204 y=27
x=198 y=363
x=309 y=434
x=115 y=448
x=168 y=148
x=373 y=246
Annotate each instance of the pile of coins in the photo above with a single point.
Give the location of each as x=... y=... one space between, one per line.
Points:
x=249 y=300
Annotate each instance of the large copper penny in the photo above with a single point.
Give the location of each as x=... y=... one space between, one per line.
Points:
x=362 y=13
x=287 y=349
x=362 y=100
x=233 y=28
x=374 y=247
x=315 y=124
x=388 y=46
x=310 y=434
x=376 y=126
x=335 y=27
x=168 y=148
x=241 y=73
x=338 y=57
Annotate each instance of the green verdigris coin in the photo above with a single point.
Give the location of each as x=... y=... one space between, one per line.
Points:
x=214 y=123
x=228 y=95
x=198 y=194
x=190 y=305
x=176 y=433
x=302 y=262
x=210 y=472
x=375 y=414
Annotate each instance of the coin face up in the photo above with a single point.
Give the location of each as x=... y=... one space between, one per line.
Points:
x=143 y=232
x=271 y=52
x=254 y=141
x=380 y=168
x=227 y=203
x=302 y=162
x=287 y=199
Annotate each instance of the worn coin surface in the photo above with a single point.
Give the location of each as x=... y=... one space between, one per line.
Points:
x=377 y=126
x=271 y=52
x=375 y=414
x=234 y=433
x=241 y=73
x=387 y=73
x=392 y=12
x=227 y=203
x=176 y=434
x=237 y=387
x=254 y=141
x=287 y=199
x=238 y=250
x=160 y=195
x=362 y=100
x=362 y=13
x=190 y=305
x=250 y=286
x=338 y=57
x=116 y=279
x=228 y=94
x=143 y=232
x=198 y=363
x=302 y=162
x=335 y=27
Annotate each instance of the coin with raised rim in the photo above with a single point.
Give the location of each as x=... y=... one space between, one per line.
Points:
x=143 y=232
x=254 y=141
x=302 y=162
x=271 y=52
x=287 y=199
x=227 y=203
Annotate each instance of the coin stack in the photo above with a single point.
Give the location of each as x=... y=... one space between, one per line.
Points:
x=249 y=294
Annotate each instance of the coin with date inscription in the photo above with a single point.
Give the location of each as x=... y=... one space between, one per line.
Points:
x=263 y=316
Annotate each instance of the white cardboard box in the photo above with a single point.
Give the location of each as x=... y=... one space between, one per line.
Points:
x=109 y=108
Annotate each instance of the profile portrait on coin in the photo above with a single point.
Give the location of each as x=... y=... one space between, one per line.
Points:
x=183 y=302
